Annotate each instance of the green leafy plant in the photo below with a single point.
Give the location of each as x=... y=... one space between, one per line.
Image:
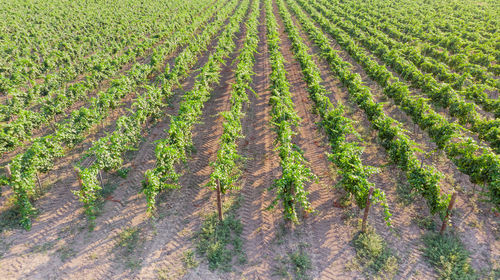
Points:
x=373 y=255
x=449 y=257
x=123 y=172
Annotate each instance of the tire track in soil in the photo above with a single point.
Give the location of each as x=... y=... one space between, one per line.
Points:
x=483 y=252
x=325 y=233
x=70 y=216
x=260 y=169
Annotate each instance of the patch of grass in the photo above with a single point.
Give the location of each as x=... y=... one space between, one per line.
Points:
x=166 y=274
x=281 y=269
x=425 y=222
x=188 y=259
x=66 y=252
x=496 y=273
x=348 y=214
x=128 y=239
x=297 y=261
x=488 y=274
x=345 y=200
x=133 y=264
x=9 y=219
x=42 y=248
x=301 y=263
x=123 y=172
x=405 y=193
x=127 y=243
x=373 y=256
x=449 y=256
x=219 y=241
x=281 y=233
x=162 y=274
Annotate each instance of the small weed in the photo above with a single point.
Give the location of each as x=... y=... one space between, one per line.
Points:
x=4 y=247
x=425 y=222
x=301 y=263
x=42 y=248
x=373 y=256
x=448 y=256
x=476 y=224
x=128 y=241
x=65 y=253
x=66 y=231
x=107 y=189
x=192 y=150
x=185 y=232
x=4 y=181
x=123 y=172
x=281 y=269
x=93 y=257
x=405 y=193
x=189 y=260
x=281 y=233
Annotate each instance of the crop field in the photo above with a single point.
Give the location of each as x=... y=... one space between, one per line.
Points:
x=249 y=139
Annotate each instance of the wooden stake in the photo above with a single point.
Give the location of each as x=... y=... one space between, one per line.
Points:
x=78 y=177
x=39 y=183
x=367 y=208
x=293 y=205
x=100 y=178
x=7 y=170
x=450 y=206
x=219 y=201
